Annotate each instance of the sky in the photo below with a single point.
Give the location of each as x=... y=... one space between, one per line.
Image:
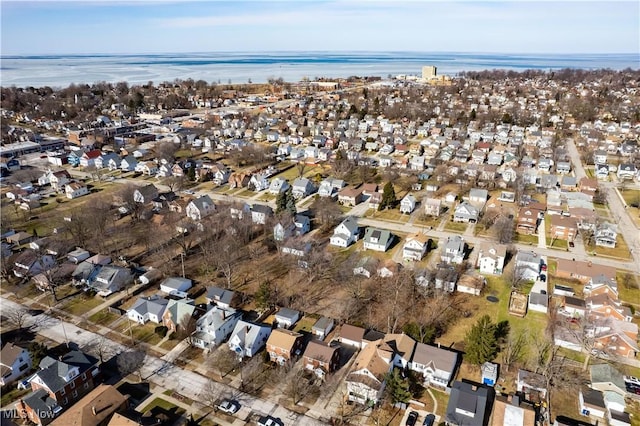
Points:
x=146 y=27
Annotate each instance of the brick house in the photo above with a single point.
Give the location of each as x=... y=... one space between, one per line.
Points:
x=321 y=358
x=563 y=228
x=283 y=345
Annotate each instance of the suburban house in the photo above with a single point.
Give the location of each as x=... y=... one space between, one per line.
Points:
x=401 y=348
x=283 y=345
x=377 y=239
x=626 y=171
x=366 y=381
x=436 y=365
x=148 y=309
x=145 y=194
x=432 y=206
x=110 y=279
x=583 y=271
x=286 y=317
x=469 y=404
x=282 y=232
x=491 y=258
x=489 y=373
x=538 y=302
x=75 y=190
x=415 y=247
x=29 y=264
x=352 y=335
x=591 y=403
x=302 y=187
x=466 y=213
x=321 y=358
x=58 y=385
x=200 y=208
x=453 y=250
x=214 y=327
x=219 y=296
x=478 y=196
x=470 y=284
x=258 y=182
x=350 y=196
x=176 y=286
x=88 y=159
x=528 y=217
x=14 y=363
x=95 y=409
x=248 y=338
x=606 y=235
x=178 y=314
x=531 y=386
x=322 y=327
x=346 y=233
x=302 y=224
x=606 y=378
x=278 y=185
x=260 y=213
x=510 y=410
x=563 y=227
x=408 y=204
x=528 y=265
x=330 y=187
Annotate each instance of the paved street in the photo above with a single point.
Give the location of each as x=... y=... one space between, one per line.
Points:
x=158 y=371
x=626 y=226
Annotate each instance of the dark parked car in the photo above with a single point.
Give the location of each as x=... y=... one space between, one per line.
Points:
x=543 y=278
x=571 y=244
x=412 y=419
x=429 y=420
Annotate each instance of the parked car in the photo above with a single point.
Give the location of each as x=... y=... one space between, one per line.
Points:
x=228 y=406
x=571 y=244
x=412 y=419
x=269 y=421
x=429 y=420
x=543 y=267
x=543 y=278
x=632 y=380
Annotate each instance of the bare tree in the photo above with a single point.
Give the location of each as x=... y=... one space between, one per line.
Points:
x=186 y=328
x=516 y=275
x=224 y=360
x=175 y=183
x=17 y=316
x=130 y=362
x=503 y=229
x=513 y=349
x=166 y=151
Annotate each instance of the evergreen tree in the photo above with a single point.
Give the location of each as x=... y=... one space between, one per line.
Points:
x=481 y=343
x=397 y=389
x=191 y=173
x=263 y=295
x=389 y=199
x=291 y=202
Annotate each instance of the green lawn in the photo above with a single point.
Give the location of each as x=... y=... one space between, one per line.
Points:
x=621 y=250
x=390 y=215
x=526 y=239
x=456 y=226
x=162 y=403
x=80 y=304
x=559 y=244
x=146 y=333
x=12 y=395
x=103 y=317
x=305 y=324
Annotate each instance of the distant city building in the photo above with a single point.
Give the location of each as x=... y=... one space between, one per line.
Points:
x=429 y=72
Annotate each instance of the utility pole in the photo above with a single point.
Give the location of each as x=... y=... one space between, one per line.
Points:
x=182 y=260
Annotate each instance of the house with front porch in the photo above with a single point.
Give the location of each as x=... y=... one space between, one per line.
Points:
x=491 y=258
x=284 y=345
x=247 y=338
x=415 y=247
x=436 y=365
x=377 y=239
x=215 y=326
x=366 y=381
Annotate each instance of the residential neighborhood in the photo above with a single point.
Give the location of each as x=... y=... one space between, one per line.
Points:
x=326 y=252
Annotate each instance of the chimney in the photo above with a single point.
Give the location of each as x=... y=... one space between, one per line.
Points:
x=93 y=410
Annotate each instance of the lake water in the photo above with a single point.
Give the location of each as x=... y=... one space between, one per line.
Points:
x=62 y=70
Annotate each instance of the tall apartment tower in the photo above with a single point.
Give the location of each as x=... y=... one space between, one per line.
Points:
x=429 y=72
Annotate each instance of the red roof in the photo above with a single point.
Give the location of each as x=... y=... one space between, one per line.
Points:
x=93 y=154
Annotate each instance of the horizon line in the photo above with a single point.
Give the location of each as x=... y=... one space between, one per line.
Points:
x=309 y=52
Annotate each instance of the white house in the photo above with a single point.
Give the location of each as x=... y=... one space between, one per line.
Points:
x=346 y=233
x=278 y=185
x=415 y=247
x=148 y=309
x=302 y=187
x=75 y=190
x=591 y=403
x=322 y=327
x=215 y=326
x=14 y=362
x=366 y=381
x=528 y=265
x=176 y=286
x=258 y=182
x=248 y=338
x=436 y=365
x=606 y=235
x=200 y=208
x=491 y=258
x=286 y=317
x=408 y=204
x=377 y=239
x=453 y=250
